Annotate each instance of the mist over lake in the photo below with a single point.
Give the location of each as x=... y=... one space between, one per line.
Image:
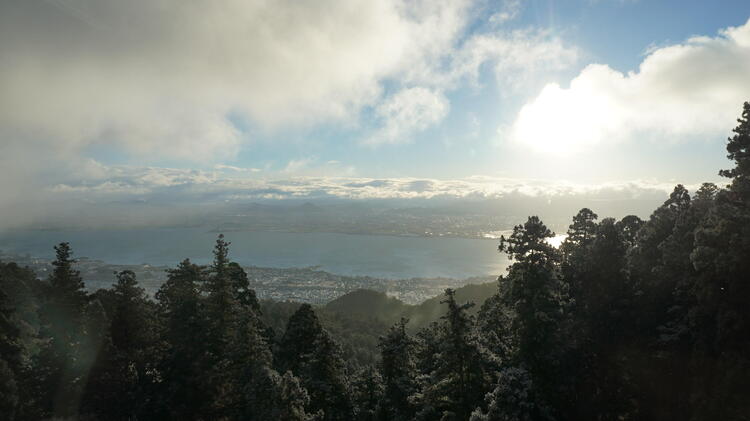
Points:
x=346 y=254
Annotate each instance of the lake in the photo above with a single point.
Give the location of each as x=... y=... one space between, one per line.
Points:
x=346 y=254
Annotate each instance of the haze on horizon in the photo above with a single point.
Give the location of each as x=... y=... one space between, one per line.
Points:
x=126 y=112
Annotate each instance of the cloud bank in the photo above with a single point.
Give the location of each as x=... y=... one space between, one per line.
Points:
x=130 y=197
x=685 y=91
x=182 y=79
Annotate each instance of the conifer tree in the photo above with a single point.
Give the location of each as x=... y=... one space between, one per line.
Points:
x=581 y=232
x=279 y=397
x=244 y=295
x=460 y=379
x=308 y=351
x=539 y=300
x=398 y=371
x=121 y=382
x=60 y=370
x=628 y=228
x=9 y=393
x=513 y=399
x=719 y=319
x=324 y=375
x=221 y=302
x=184 y=332
x=738 y=150
x=494 y=328
x=367 y=393
x=299 y=338
x=10 y=358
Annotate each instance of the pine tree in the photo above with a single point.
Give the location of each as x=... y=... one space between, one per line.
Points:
x=308 y=351
x=324 y=375
x=299 y=338
x=367 y=393
x=575 y=248
x=221 y=302
x=527 y=244
x=601 y=320
x=9 y=393
x=719 y=319
x=581 y=232
x=249 y=363
x=628 y=228
x=244 y=295
x=184 y=332
x=10 y=357
x=461 y=378
x=539 y=300
x=122 y=379
x=494 y=328
x=279 y=397
x=398 y=371
x=60 y=370
x=226 y=325
x=513 y=399
x=738 y=150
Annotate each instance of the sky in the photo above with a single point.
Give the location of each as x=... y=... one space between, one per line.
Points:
x=107 y=101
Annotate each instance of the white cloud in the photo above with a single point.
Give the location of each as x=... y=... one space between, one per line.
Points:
x=163 y=77
x=224 y=167
x=510 y=10
x=167 y=78
x=408 y=111
x=124 y=181
x=297 y=165
x=516 y=57
x=127 y=196
x=193 y=81
x=686 y=91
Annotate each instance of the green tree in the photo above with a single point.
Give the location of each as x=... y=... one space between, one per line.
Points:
x=512 y=399
x=367 y=393
x=601 y=319
x=539 y=300
x=11 y=357
x=628 y=228
x=719 y=318
x=398 y=371
x=9 y=393
x=738 y=150
x=581 y=232
x=122 y=379
x=279 y=397
x=184 y=330
x=230 y=337
x=60 y=372
x=655 y=264
x=244 y=295
x=221 y=302
x=461 y=378
x=308 y=351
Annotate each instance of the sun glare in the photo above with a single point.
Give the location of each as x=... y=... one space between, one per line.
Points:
x=562 y=121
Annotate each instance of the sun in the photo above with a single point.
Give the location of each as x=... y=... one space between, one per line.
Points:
x=565 y=121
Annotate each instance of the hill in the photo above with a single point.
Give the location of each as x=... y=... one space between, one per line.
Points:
x=358 y=319
x=377 y=305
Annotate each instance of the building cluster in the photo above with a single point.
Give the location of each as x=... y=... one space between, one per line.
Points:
x=309 y=284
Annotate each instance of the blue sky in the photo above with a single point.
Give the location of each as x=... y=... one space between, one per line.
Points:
x=113 y=96
x=616 y=33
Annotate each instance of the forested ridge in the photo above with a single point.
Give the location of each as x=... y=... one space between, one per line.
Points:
x=628 y=319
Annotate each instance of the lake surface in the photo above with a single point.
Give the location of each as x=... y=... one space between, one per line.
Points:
x=345 y=254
